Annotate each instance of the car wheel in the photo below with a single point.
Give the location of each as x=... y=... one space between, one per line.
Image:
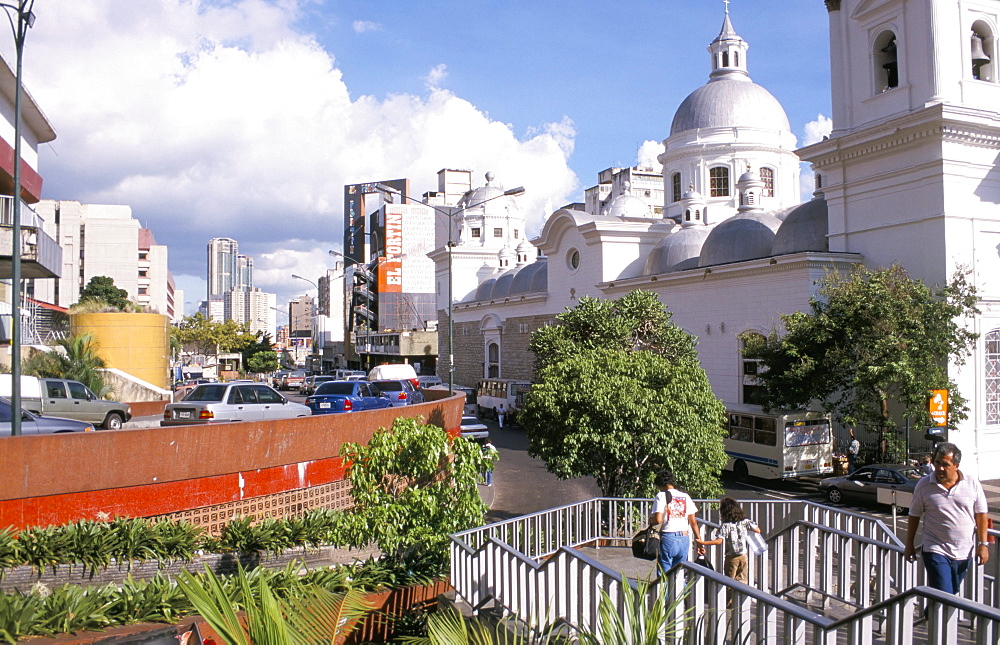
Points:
x=834 y=495
x=113 y=421
x=741 y=471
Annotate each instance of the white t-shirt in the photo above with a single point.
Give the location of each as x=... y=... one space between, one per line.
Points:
x=675 y=518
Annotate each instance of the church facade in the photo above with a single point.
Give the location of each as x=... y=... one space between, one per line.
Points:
x=909 y=175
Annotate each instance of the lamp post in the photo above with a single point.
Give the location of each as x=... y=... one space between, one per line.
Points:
x=513 y=192
x=21 y=10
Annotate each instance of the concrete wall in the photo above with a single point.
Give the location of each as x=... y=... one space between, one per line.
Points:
x=138 y=344
x=56 y=479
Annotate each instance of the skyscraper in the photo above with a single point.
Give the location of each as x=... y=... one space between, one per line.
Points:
x=222 y=266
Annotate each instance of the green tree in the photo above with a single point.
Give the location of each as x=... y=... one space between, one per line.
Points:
x=872 y=338
x=413 y=486
x=102 y=289
x=199 y=334
x=77 y=358
x=620 y=394
x=259 y=356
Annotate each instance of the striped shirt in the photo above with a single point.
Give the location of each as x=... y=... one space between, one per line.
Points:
x=949 y=516
x=734 y=536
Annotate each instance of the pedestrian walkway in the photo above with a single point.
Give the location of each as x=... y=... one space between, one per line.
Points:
x=992 y=489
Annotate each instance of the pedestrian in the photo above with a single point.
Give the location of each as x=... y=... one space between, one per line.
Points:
x=492 y=456
x=853 y=448
x=674 y=511
x=733 y=533
x=500 y=414
x=954 y=509
x=926 y=467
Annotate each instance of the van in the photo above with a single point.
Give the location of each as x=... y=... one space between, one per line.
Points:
x=429 y=381
x=394 y=372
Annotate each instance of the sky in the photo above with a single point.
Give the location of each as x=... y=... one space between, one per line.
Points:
x=245 y=118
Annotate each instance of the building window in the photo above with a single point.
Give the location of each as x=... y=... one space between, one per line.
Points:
x=886 y=61
x=719 y=181
x=515 y=234
x=675 y=187
x=767 y=176
x=993 y=377
x=475 y=232
x=753 y=392
x=493 y=358
x=498 y=232
x=573 y=259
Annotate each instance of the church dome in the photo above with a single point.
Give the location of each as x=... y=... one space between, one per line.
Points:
x=730 y=101
x=501 y=289
x=484 y=290
x=676 y=248
x=524 y=278
x=805 y=228
x=746 y=236
x=628 y=205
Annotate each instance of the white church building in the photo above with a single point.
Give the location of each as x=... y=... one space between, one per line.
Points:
x=910 y=174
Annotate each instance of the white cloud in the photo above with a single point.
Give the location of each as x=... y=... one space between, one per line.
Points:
x=434 y=77
x=816 y=130
x=648 y=152
x=361 y=26
x=223 y=120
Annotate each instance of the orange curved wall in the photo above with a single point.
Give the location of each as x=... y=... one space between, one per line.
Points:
x=56 y=479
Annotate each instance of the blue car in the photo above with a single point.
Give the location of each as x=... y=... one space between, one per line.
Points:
x=347 y=396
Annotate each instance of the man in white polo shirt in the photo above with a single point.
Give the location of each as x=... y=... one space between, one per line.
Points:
x=954 y=509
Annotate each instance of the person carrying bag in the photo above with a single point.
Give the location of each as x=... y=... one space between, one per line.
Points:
x=646 y=543
x=735 y=533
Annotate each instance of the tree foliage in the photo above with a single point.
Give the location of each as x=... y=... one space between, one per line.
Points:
x=199 y=334
x=77 y=358
x=259 y=356
x=102 y=289
x=620 y=394
x=413 y=486
x=871 y=339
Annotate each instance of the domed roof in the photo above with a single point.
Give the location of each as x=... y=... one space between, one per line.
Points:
x=524 y=247
x=526 y=277
x=730 y=101
x=805 y=228
x=746 y=236
x=502 y=287
x=675 y=248
x=628 y=205
x=483 y=291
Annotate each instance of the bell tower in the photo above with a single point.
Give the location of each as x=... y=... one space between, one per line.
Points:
x=910 y=171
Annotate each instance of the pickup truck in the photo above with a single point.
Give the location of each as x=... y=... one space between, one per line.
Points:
x=57 y=397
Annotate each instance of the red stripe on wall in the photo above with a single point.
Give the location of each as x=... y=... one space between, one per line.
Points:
x=169 y=497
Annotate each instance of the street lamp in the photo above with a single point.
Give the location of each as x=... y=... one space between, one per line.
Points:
x=24 y=20
x=513 y=192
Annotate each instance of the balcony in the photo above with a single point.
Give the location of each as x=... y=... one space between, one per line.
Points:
x=41 y=256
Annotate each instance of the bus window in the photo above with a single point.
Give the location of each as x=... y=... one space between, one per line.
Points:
x=740 y=428
x=807 y=433
x=764 y=431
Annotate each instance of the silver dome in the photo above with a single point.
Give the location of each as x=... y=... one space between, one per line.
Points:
x=483 y=291
x=524 y=277
x=502 y=287
x=730 y=101
x=675 y=248
x=628 y=205
x=746 y=236
x=805 y=228
x=531 y=278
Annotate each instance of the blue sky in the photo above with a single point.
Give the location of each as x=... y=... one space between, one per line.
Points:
x=245 y=118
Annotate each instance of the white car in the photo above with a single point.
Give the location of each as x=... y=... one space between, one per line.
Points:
x=473 y=428
x=230 y=402
x=429 y=381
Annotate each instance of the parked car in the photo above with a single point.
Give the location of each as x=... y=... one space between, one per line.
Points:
x=278 y=379
x=470 y=408
x=69 y=399
x=186 y=387
x=347 y=396
x=33 y=425
x=345 y=374
x=229 y=402
x=312 y=382
x=863 y=483
x=473 y=428
x=428 y=381
x=400 y=392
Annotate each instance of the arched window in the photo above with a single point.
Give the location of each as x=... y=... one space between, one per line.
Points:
x=886 y=62
x=752 y=392
x=675 y=187
x=493 y=358
x=719 y=181
x=993 y=377
x=687 y=215
x=982 y=46
x=767 y=176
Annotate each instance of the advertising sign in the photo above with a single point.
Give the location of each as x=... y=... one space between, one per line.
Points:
x=938 y=407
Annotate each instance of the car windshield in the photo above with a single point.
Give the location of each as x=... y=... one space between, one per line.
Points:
x=911 y=473
x=336 y=387
x=388 y=386
x=807 y=433
x=211 y=392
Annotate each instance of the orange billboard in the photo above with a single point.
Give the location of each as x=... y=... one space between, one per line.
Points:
x=938 y=407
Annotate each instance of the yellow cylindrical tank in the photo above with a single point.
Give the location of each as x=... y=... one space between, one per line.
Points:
x=138 y=344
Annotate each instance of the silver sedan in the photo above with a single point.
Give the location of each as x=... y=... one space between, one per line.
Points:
x=229 y=402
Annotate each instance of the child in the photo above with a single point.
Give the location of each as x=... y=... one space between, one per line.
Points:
x=733 y=532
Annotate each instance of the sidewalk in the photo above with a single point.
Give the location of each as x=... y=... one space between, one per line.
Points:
x=992 y=489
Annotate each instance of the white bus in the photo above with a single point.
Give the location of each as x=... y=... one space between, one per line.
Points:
x=491 y=392
x=778 y=444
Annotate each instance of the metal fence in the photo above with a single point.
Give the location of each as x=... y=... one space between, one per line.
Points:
x=827 y=574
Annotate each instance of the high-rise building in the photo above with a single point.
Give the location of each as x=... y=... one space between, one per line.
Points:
x=222 y=265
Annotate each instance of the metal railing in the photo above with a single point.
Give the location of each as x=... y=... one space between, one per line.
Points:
x=821 y=562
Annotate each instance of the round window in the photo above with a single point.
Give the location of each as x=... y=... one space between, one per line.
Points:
x=573 y=259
